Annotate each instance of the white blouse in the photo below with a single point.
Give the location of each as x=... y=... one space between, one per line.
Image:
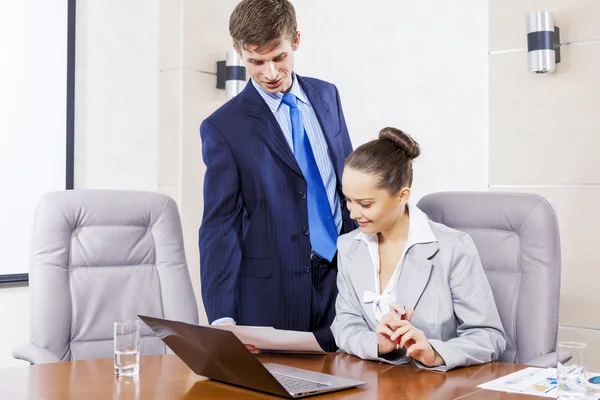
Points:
x=419 y=231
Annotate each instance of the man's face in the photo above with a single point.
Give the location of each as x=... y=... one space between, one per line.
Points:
x=271 y=66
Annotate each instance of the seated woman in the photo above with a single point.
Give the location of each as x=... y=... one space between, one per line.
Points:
x=408 y=287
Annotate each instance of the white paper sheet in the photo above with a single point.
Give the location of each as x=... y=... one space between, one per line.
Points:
x=267 y=338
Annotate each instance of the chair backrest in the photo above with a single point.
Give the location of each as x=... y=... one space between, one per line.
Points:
x=517 y=238
x=99 y=256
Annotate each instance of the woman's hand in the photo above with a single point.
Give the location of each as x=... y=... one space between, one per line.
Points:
x=384 y=343
x=395 y=331
x=388 y=324
x=416 y=344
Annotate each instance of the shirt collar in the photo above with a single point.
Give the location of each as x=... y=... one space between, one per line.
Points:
x=273 y=100
x=419 y=230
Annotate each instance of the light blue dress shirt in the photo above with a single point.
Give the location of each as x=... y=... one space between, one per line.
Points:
x=315 y=136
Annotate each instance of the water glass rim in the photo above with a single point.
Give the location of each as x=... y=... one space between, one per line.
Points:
x=126 y=322
x=572 y=345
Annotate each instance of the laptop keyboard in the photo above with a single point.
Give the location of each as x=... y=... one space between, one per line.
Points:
x=297 y=385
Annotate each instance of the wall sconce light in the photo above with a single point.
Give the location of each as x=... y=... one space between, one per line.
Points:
x=231 y=74
x=543 y=42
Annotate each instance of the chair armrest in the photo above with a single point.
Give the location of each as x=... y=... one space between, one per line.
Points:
x=547 y=360
x=34 y=354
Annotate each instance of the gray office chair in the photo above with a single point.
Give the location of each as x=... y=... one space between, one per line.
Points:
x=99 y=256
x=518 y=242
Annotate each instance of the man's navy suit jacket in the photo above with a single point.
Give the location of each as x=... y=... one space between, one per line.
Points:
x=255 y=252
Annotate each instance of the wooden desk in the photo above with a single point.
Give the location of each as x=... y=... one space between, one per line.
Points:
x=166 y=377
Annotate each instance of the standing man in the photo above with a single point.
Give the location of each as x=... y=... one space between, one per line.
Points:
x=274 y=156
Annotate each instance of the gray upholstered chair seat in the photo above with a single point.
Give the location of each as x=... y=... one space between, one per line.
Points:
x=99 y=256
x=518 y=241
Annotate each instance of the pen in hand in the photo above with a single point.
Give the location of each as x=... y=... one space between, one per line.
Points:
x=402 y=318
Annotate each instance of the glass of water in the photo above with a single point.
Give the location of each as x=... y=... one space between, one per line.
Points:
x=127 y=348
x=571 y=369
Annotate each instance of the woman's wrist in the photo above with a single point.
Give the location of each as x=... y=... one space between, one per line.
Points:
x=380 y=352
x=438 y=360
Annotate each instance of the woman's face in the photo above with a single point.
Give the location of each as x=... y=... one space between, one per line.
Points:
x=375 y=209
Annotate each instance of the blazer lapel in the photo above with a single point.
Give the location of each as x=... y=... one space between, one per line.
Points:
x=361 y=271
x=415 y=274
x=267 y=127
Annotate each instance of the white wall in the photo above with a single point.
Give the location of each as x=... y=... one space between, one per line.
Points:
x=14 y=322
x=117 y=94
x=557 y=115
x=116 y=133
x=420 y=66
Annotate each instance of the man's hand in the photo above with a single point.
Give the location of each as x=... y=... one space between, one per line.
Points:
x=225 y=323
x=250 y=347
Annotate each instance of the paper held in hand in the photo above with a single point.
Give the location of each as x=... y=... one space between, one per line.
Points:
x=268 y=338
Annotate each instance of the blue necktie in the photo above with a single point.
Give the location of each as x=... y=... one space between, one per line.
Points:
x=323 y=232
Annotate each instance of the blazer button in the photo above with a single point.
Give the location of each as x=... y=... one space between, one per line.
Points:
x=305 y=231
x=307 y=269
x=302 y=195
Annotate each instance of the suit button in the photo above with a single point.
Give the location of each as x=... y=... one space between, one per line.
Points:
x=302 y=195
x=307 y=269
x=305 y=231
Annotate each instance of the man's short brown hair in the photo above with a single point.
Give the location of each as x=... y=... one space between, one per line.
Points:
x=262 y=22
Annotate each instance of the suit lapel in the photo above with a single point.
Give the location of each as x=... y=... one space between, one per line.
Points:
x=415 y=274
x=361 y=271
x=267 y=127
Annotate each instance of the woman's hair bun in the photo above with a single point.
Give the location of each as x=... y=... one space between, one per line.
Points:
x=402 y=140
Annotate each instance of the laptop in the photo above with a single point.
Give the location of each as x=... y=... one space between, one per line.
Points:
x=219 y=355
